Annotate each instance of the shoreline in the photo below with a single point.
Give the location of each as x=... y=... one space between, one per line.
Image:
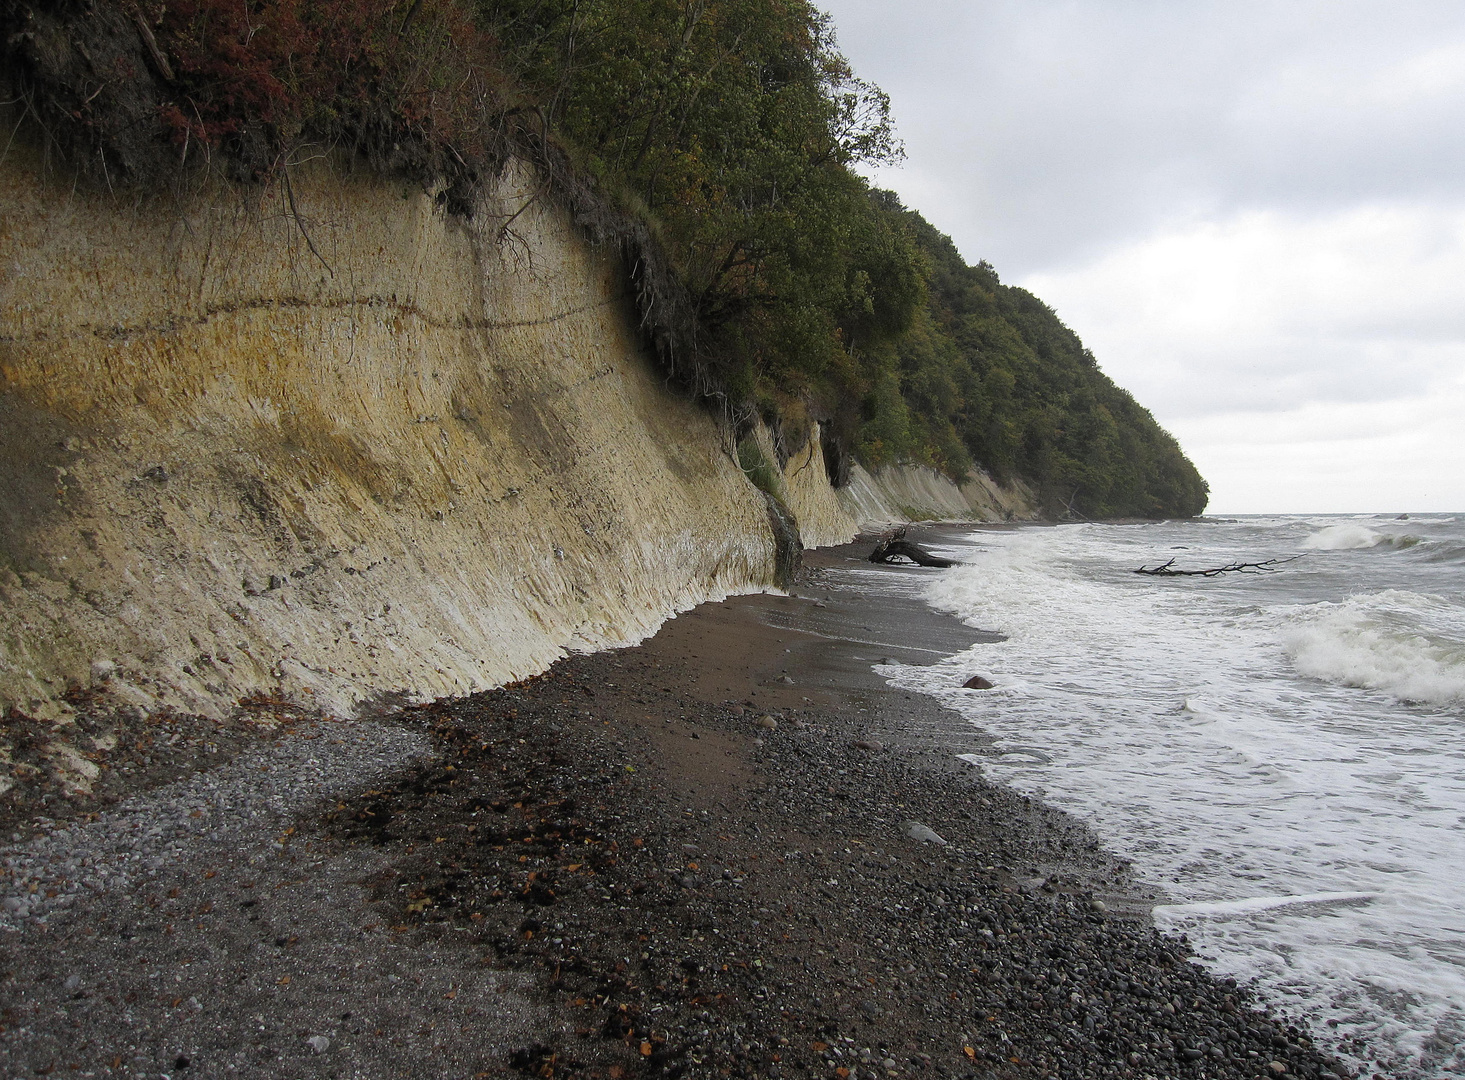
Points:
x=696 y=857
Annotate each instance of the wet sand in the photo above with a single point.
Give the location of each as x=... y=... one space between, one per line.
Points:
x=710 y=855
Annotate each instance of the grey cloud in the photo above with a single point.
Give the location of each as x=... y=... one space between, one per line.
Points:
x=1042 y=131
x=1276 y=376
x=1251 y=210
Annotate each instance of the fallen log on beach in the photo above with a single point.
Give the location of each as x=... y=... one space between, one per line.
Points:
x=1266 y=566
x=897 y=546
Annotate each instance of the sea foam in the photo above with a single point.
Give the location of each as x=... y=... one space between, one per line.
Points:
x=1282 y=753
x=1365 y=642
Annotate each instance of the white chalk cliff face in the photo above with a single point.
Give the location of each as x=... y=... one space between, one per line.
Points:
x=332 y=445
x=369 y=449
x=874 y=500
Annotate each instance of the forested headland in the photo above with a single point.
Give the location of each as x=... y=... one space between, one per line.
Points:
x=715 y=142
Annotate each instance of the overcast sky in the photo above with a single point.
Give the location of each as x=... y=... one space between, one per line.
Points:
x=1252 y=212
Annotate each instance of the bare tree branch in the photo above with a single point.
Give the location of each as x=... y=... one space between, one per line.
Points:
x=1266 y=566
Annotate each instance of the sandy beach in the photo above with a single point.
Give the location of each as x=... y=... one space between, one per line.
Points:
x=730 y=851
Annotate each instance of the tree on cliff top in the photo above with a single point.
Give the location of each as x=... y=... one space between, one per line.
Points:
x=1029 y=402
x=713 y=140
x=732 y=125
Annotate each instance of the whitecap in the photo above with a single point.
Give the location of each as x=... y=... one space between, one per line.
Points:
x=1342 y=538
x=1357 y=643
x=1216 y=737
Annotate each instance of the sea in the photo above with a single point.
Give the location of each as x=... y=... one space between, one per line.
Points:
x=1279 y=747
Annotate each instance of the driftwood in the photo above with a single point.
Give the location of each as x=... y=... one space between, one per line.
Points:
x=897 y=546
x=1266 y=566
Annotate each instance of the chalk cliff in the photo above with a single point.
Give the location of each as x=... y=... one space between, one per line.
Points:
x=324 y=440
x=898 y=493
x=338 y=449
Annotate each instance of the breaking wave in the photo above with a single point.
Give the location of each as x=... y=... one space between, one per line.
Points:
x=1342 y=538
x=1374 y=642
x=1281 y=752
x=1352 y=537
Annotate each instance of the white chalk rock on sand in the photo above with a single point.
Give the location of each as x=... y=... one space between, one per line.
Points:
x=922 y=833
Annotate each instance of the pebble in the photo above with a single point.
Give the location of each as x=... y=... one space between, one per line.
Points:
x=1047 y=965
x=140 y=837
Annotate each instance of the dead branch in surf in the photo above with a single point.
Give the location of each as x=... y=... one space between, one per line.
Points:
x=1266 y=566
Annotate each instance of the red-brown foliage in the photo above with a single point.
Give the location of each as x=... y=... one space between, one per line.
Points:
x=259 y=76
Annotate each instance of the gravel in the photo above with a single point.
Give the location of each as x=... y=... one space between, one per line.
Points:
x=619 y=869
x=200 y=926
x=225 y=811
x=771 y=915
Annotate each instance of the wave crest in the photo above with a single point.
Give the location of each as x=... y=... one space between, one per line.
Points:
x=1343 y=538
x=1358 y=644
x=1354 y=537
x=1441 y=551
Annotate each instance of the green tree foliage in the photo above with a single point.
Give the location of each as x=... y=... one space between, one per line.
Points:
x=997 y=367
x=714 y=140
x=732 y=125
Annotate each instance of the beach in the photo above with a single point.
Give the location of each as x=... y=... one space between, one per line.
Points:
x=732 y=850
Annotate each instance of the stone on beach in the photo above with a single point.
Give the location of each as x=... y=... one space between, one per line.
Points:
x=923 y=833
